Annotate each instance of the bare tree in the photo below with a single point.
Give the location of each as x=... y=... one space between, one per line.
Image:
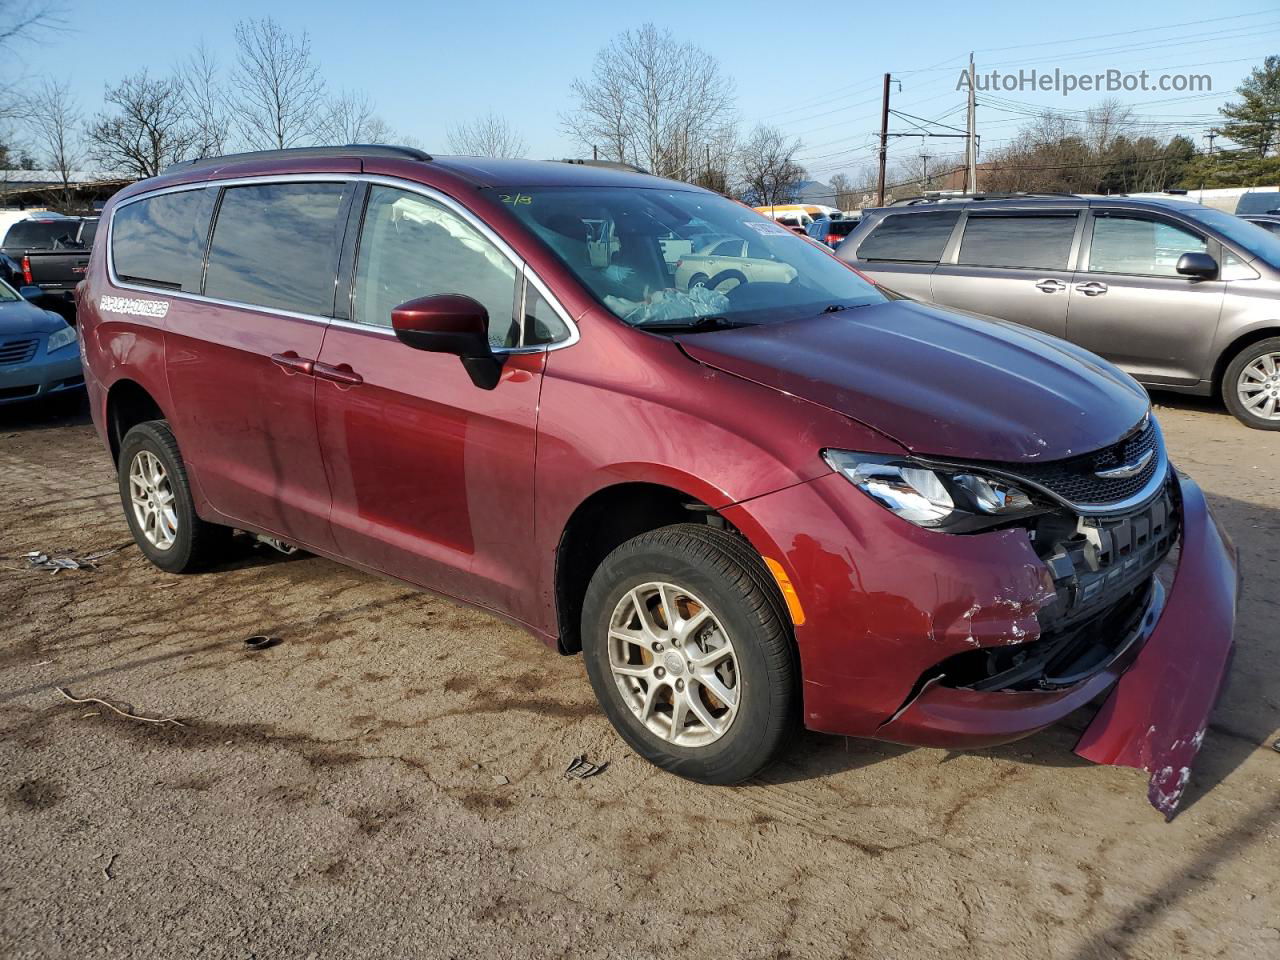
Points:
x=148 y=130
x=55 y=120
x=350 y=118
x=23 y=20
x=206 y=101
x=767 y=166
x=280 y=93
x=487 y=136
x=846 y=195
x=654 y=102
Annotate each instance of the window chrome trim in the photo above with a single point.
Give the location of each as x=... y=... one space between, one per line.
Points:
x=523 y=270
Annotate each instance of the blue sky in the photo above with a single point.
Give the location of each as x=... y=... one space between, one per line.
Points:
x=813 y=71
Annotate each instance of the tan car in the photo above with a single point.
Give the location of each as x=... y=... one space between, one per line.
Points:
x=723 y=265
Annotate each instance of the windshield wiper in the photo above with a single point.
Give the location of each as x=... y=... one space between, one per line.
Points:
x=693 y=325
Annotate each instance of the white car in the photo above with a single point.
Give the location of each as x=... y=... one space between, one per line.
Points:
x=726 y=263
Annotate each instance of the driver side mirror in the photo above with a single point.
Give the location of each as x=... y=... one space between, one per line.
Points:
x=450 y=323
x=30 y=292
x=1198 y=266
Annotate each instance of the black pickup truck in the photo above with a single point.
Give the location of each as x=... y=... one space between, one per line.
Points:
x=52 y=253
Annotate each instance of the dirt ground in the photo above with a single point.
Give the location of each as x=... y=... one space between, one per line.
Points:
x=387 y=780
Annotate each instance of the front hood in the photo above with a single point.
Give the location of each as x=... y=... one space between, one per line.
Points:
x=939 y=382
x=19 y=316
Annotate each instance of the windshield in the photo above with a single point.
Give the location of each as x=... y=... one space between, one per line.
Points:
x=7 y=293
x=1255 y=241
x=680 y=259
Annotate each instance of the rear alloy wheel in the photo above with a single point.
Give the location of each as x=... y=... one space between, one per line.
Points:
x=1251 y=385
x=152 y=498
x=688 y=646
x=158 y=504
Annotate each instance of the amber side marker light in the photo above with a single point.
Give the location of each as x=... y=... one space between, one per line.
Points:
x=788 y=590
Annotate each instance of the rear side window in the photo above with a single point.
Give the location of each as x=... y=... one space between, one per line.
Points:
x=914 y=237
x=88 y=232
x=159 y=241
x=43 y=234
x=276 y=245
x=1039 y=242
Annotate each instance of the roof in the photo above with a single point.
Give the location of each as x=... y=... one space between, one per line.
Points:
x=408 y=163
x=493 y=172
x=1031 y=201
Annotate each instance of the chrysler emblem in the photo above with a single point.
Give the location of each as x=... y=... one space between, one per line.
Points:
x=1126 y=470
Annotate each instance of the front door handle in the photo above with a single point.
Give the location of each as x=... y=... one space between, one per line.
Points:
x=1092 y=289
x=341 y=374
x=291 y=363
x=1050 y=285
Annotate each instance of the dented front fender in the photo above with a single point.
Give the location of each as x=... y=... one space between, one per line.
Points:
x=1155 y=717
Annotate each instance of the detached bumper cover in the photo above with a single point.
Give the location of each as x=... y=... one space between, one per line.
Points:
x=1155 y=717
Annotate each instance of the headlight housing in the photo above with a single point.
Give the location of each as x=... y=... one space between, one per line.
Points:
x=61 y=338
x=949 y=499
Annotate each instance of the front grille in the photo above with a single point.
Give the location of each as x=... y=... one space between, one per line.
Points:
x=1075 y=480
x=1105 y=556
x=17 y=351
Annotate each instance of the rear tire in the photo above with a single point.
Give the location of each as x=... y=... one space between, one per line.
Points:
x=158 y=505
x=1251 y=385
x=711 y=693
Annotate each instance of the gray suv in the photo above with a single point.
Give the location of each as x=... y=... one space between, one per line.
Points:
x=1181 y=296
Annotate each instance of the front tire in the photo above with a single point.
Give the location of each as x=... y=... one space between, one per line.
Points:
x=689 y=650
x=158 y=505
x=1251 y=385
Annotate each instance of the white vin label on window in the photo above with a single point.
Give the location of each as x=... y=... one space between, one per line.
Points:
x=134 y=307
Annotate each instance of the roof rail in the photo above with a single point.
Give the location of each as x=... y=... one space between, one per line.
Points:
x=349 y=150
x=611 y=164
x=940 y=198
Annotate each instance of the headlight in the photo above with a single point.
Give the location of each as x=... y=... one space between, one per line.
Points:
x=61 y=338
x=955 y=500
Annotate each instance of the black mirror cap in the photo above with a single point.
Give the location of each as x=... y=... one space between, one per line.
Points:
x=1198 y=265
x=446 y=323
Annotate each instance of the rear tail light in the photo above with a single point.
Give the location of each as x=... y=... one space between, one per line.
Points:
x=833 y=239
x=26 y=270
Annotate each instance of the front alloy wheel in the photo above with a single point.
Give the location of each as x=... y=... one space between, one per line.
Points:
x=674 y=664
x=688 y=645
x=1251 y=385
x=1258 y=387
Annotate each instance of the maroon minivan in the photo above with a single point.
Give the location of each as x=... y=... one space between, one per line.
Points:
x=772 y=496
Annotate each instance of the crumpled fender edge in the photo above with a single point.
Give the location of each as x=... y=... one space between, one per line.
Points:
x=1155 y=717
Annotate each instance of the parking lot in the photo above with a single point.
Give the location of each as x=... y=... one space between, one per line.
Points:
x=387 y=780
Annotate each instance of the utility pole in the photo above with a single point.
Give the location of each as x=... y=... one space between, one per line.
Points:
x=924 y=179
x=971 y=143
x=884 y=140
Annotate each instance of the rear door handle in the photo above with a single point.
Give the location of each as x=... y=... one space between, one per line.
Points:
x=1050 y=285
x=291 y=363
x=341 y=374
x=1092 y=289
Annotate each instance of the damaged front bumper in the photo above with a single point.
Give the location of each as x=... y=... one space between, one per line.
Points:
x=1156 y=716
x=897 y=617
